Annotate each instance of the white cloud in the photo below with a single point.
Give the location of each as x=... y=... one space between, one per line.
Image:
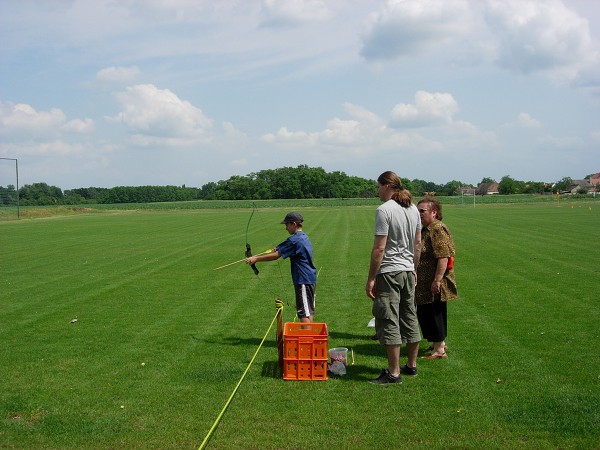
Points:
x=363 y=128
x=522 y=36
x=426 y=126
x=364 y=116
x=286 y=136
x=588 y=78
x=23 y=121
x=341 y=132
x=527 y=121
x=429 y=109
x=23 y=118
x=118 y=74
x=232 y=132
x=79 y=126
x=537 y=36
x=290 y=12
x=55 y=147
x=26 y=131
x=408 y=27
x=524 y=120
x=155 y=113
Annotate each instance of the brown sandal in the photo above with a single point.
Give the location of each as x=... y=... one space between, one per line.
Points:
x=435 y=356
x=430 y=348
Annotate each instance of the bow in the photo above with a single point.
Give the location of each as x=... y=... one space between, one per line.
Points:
x=249 y=254
x=248 y=248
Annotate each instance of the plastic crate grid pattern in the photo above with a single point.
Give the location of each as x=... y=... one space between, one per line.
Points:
x=305 y=353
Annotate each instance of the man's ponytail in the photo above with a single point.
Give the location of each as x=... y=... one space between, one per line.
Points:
x=401 y=196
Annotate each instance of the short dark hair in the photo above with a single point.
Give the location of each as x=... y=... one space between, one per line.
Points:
x=434 y=205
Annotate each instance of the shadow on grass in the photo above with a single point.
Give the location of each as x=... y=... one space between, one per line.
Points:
x=271 y=369
x=371 y=346
x=357 y=372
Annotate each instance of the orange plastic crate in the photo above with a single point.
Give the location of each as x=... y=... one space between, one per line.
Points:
x=305 y=351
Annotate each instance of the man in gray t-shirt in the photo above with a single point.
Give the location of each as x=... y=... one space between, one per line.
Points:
x=391 y=281
x=400 y=225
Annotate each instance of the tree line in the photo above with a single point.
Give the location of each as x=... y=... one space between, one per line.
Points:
x=509 y=186
x=300 y=182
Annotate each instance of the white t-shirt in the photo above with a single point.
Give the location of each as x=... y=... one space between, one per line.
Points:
x=400 y=225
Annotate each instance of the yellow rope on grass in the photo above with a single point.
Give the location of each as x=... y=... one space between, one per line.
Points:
x=278 y=307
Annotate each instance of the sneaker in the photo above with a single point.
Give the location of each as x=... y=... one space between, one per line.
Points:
x=386 y=378
x=412 y=371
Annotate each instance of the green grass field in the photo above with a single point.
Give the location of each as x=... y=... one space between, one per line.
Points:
x=160 y=339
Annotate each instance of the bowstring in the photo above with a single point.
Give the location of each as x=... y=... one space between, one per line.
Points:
x=248 y=247
x=277 y=296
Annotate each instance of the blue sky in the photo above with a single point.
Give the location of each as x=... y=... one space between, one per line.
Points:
x=174 y=92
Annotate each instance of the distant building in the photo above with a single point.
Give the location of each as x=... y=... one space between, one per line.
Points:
x=579 y=185
x=493 y=188
x=595 y=181
x=487 y=188
x=466 y=190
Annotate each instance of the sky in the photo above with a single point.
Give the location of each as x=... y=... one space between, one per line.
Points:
x=108 y=93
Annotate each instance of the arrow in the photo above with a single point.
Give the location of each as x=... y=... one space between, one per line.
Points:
x=244 y=259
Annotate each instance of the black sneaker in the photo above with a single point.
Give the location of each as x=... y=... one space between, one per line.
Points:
x=412 y=371
x=386 y=378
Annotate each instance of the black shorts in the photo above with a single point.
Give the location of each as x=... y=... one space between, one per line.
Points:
x=305 y=300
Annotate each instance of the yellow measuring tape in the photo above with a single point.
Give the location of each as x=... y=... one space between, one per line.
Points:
x=279 y=308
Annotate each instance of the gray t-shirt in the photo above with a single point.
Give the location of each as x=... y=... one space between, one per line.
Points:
x=400 y=225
